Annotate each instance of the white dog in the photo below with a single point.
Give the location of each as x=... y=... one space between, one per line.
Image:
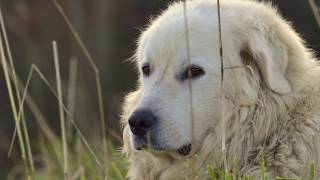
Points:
x=271 y=95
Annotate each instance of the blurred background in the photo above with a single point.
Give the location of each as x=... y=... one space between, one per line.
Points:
x=109 y=29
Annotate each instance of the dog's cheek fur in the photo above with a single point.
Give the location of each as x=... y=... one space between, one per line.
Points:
x=129 y=102
x=128 y=105
x=137 y=159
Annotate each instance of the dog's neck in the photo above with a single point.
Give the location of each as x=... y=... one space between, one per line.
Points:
x=246 y=146
x=259 y=131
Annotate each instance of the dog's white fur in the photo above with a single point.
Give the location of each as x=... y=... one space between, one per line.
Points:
x=271 y=93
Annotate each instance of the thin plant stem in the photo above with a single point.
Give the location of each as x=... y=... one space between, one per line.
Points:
x=70 y=118
x=315 y=11
x=103 y=123
x=72 y=83
x=40 y=117
x=33 y=106
x=34 y=109
x=14 y=78
x=13 y=105
x=61 y=112
x=77 y=174
x=97 y=76
x=223 y=139
x=187 y=39
x=117 y=171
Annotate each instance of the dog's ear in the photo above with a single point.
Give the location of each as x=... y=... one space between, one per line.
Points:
x=271 y=59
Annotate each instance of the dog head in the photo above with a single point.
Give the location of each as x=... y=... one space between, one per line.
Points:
x=179 y=98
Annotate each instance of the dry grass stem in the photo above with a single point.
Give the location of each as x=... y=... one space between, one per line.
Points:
x=77 y=174
x=189 y=82
x=72 y=94
x=117 y=170
x=6 y=68
x=61 y=112
x=97 y=75
x=103 y=123
x=315 y=10
x=14 y=79
x=76 y=35
x=80 y=134
x=39 y=117
x=223 y=139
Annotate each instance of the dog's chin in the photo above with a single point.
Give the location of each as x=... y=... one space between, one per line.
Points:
x=182 y=152
x=156 y=148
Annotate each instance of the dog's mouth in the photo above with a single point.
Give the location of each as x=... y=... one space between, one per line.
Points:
x=156 y=148
x=184 y=150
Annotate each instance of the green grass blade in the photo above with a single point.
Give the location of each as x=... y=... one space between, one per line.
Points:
x=263 y=170
x=211 y=173
x=312 y=175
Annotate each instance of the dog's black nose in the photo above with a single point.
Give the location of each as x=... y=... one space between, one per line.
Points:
x=141 y=121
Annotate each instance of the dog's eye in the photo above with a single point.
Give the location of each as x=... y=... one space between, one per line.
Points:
x=195 y=71
x=146 y=70
x=192 y=72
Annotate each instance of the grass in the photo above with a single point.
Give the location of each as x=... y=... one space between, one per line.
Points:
x=61 y=111
x=81 y=163
x=6 y=68
x=76 y=159
x=96 y=72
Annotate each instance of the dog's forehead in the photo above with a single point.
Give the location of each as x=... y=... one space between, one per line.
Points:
x=165 y=42
x=170 y=46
